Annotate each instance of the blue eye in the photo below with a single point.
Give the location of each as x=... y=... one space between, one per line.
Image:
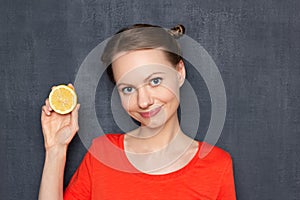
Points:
x=155 y=81
x=128 y=90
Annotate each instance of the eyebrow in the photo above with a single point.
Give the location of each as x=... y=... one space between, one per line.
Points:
x=147 y=78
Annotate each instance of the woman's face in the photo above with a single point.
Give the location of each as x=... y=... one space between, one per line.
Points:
x=148 y=85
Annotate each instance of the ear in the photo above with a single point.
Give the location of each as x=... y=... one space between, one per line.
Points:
x=180 y=68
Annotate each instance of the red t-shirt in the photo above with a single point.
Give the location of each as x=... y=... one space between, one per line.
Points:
x=99 y=176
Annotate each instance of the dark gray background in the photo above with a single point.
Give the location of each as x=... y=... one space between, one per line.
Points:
x=254 y=43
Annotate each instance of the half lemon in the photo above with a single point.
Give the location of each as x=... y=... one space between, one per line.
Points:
x=63 y=99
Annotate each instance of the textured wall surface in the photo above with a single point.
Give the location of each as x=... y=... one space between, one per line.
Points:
x=255 y=44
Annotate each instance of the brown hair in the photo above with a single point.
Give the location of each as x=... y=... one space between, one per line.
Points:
x=143 y=36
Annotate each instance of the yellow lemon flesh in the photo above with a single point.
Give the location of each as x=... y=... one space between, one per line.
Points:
x=62 y=99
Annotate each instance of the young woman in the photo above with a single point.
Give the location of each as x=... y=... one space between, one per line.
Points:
x=156 y=160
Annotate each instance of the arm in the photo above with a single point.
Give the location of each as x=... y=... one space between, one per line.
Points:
x=52 y=179
x=58 y=131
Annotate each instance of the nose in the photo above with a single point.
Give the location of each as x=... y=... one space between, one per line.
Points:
x=144 y=97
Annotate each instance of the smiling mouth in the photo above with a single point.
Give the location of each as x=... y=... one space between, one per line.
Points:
x=151 y=113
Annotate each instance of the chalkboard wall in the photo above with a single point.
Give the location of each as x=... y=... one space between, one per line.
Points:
x=254 y=43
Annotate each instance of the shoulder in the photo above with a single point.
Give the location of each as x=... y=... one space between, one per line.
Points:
x=112 y=138
x=212 y=162
x=108 y=149
x=212 y=154
x=107 y=144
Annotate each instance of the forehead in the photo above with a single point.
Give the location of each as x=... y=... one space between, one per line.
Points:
x=140 y=62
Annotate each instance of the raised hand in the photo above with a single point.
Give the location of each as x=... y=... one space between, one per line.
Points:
x=58 y=130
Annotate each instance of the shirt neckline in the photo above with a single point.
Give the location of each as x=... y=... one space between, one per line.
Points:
x=166 y=176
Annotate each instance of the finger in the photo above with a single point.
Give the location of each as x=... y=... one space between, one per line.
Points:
x=48 y=104
x=43 y=114
x=45 y=110
x=71 y=85
x=74 y=119
x=53 y=87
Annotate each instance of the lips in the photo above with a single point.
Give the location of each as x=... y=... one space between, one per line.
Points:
x=150 y=113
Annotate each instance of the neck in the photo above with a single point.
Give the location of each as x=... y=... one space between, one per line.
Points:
x=152 y=150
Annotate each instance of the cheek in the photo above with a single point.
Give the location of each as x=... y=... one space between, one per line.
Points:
x=128 y=102
x=168 y=96
x=169 y=92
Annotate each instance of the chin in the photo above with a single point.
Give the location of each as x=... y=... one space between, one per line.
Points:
x=154 y=123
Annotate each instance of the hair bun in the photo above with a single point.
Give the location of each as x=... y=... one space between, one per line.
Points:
x=177 y=31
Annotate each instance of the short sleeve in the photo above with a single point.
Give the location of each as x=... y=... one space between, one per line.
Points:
x=227 y=190
x=79 y=187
